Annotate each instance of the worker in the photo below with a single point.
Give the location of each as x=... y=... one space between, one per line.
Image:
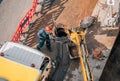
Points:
x=43 y=35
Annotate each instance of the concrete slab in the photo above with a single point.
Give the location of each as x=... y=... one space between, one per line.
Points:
x=103 y=11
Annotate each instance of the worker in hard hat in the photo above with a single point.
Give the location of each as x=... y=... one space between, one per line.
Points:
x=43 y=35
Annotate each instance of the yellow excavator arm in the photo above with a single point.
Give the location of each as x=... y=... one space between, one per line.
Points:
x=78 y=38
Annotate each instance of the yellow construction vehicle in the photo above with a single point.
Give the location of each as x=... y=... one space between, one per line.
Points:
x=22 y=63
x=77 y=37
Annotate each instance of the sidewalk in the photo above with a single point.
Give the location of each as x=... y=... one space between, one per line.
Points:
x=11 y=12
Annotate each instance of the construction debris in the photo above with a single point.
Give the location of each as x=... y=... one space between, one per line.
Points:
x=97 y=53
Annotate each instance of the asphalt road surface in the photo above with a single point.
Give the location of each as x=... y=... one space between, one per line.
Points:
x=11 y=12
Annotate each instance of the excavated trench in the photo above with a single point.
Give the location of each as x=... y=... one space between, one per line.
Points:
x=61 y=57
x=111 y=71
x=60 y=32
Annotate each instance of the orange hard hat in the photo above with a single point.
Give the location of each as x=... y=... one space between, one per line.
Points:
x=48 y=28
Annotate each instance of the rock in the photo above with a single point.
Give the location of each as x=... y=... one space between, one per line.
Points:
x=87 y=22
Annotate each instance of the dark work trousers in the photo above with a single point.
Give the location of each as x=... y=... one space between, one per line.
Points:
x=42 y=41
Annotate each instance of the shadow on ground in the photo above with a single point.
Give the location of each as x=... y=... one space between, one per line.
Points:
x=95 y=29
x=47 y=19
x=112 y=70
x=54 y=4
x=30 y=37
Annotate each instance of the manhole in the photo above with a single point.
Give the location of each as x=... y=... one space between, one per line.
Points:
x=60 y=32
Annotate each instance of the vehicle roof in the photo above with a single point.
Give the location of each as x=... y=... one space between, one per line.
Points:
x=22 y=54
